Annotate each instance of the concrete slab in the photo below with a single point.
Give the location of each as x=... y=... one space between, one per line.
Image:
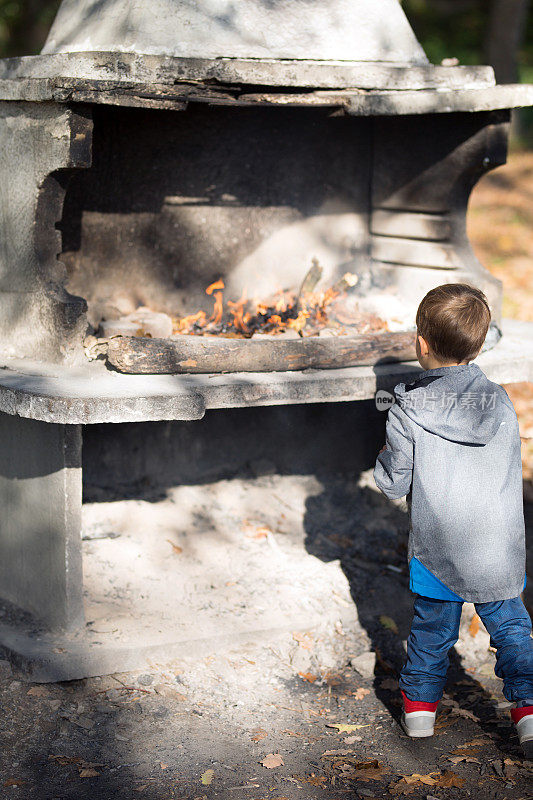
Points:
x=94 y=394
x=207 y=568
x=139 y=68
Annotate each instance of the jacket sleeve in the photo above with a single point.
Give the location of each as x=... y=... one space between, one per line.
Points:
x=394 y=466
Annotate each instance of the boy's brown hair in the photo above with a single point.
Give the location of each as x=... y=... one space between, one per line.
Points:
x=454 y=319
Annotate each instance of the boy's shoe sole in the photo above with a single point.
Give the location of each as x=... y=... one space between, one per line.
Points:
x=418 y=724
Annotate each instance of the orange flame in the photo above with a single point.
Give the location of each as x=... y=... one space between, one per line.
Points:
x=307 y=312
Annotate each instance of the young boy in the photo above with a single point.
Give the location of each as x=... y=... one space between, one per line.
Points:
x=453 y=447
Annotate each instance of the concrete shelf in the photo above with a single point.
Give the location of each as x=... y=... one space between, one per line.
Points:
x=94 y=394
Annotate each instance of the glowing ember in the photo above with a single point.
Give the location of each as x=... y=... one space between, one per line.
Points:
x=305 y=312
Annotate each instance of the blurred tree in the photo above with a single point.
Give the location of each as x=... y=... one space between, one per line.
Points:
x=505 y=32
x=496 y=32
x=24 y=25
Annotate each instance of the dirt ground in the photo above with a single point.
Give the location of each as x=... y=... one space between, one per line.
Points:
x=303 y=713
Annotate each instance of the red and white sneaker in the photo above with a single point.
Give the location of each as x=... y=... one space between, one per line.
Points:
x=418 y=718
x=523 y=719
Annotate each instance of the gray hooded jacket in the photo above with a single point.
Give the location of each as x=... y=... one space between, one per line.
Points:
x=453 y=447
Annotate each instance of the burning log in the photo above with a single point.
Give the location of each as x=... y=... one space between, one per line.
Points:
x=205 y=354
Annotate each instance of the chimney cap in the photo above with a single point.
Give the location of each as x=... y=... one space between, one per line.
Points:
x=321 y=30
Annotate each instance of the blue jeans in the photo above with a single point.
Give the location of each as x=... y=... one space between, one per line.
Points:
x=435 y=630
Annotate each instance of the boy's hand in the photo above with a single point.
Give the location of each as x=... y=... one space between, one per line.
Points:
x=382 y=449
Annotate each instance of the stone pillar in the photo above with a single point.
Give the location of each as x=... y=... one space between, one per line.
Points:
x=40 y=144
x=40 y=525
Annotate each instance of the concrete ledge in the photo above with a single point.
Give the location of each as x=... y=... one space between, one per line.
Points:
x=94 y=394
x=53 y=657
x=131 y=68
x=355 y=102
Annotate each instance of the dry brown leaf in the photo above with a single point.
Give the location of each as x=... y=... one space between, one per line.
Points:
x=459 y=759
x=382 y=662
x=475 y=743
x=308 y=676
x=463 y=712
x=207 y=777
x=332 y=678
x=342 y=728
x=337 y=753
x=427 y=780
x=38 y=691
x=450 y=780
x=305 y=640
x=14 y=782
x=65 y=761
x=314 y=780
x=272 y=760
x=474 y=625
x=175 y=548
x=259 y=734
x=88 y=772
x=360 y=693
x=465 y=750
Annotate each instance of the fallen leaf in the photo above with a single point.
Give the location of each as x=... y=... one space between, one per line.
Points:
x=382 y=662
x=88 y=773
x=427 y=780
x=450 y=780
x=258 y=735
x=474 y=743
x=65 y=760
x=38 y=691
x=367 y=771
x=342 y=728
x=14 y=782
x=272 y=760
x=207 y=777
x=388 y=623
x=360 y=693
x=163 y=766
x=463 y=712
x=305 y=640
x=473 y=628
x=175 y=548
x=307 y=676
x=465 y=751
x=332 y=679
x=352 y=739
x=314 y=780
x=336 y=753
x=466 y=759
x=189 y=362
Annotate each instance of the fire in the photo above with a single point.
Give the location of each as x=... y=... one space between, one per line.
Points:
x=306 y=311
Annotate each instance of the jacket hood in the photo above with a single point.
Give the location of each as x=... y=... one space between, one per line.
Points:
x=458 y=403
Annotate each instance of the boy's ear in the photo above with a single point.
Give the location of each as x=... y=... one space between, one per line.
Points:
x=424 y=347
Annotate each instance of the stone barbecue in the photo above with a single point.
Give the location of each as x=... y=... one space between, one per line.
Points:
x=225 y=189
